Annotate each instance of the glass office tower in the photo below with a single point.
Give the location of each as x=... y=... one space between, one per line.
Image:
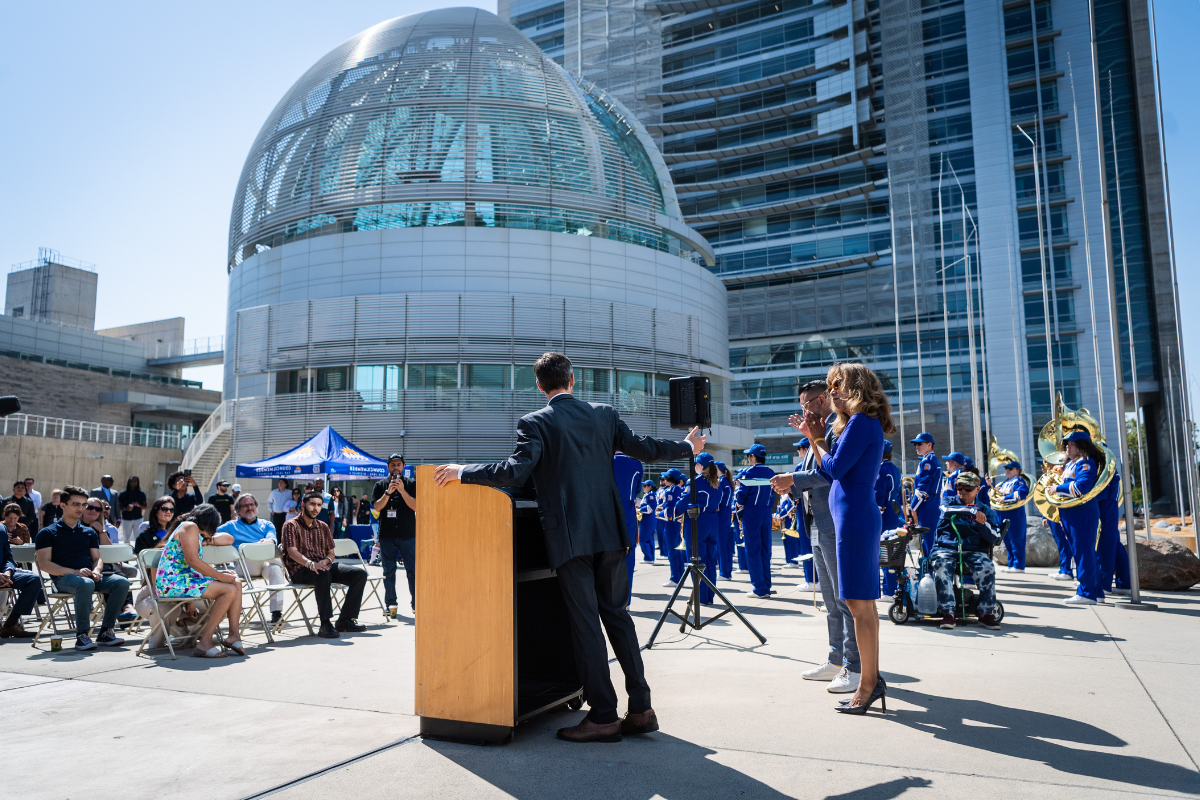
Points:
x=863 y=174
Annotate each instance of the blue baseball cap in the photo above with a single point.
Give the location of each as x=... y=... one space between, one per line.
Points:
x=647 y=483
x=922 y=438
x=1078 y=436
x=1013 y=465
x=887 y=446
x=673 y=474
x=756 y=450
x=704 y=459
x=802 y=443
x=721 y=465
x=956 y=456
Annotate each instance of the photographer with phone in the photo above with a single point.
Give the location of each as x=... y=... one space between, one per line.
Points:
x=185 y=499
x=396 y=501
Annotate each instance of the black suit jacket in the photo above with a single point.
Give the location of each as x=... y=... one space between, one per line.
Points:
x=567 y=449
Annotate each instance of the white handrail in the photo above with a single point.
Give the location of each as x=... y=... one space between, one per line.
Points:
x=82 y=431
x=205 y=435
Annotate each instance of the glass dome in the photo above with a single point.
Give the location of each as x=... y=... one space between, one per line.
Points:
x=448 y=117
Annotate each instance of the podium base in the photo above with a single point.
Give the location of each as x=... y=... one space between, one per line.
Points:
x=451 y=730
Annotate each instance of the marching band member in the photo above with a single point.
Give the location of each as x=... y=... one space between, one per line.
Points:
x=628 y=474
x=708 y=500
x=924 y=504
x=1111 y=554
x=672 y=528
x=785 y=512
x=889 y=496
x=1062 y=540
x=803 y=515
x=756 y=520
x=1082 y=522
x=726 y=536
x=647 y=529
x=1014 y=488
x=660 y=516
x=952 y=465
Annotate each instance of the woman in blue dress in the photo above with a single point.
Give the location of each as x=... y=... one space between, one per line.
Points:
x=1080 y=523
x=863 y=418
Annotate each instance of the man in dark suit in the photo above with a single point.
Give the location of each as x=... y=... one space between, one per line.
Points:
x=106 y=493
x=567 y=449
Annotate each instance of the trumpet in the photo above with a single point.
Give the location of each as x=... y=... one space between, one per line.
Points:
x=1049 y=502
x=997 y=458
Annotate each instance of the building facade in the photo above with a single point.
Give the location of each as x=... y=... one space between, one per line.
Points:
x=430 y=208
x=865 y=172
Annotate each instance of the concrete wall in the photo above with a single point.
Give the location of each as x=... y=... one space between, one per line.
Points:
x=52 y=391
x=159 y=331
x=53 y=293
x=73 y=344
x=54 y=463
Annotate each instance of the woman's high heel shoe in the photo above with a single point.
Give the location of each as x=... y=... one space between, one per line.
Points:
x=878 y=693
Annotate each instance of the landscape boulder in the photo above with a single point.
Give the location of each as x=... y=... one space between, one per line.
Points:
x=1040 y=549
x=1166 y=566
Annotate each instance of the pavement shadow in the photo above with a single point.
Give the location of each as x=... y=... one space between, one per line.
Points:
x=1036 y=736
x=537 y=766
x=885 y=790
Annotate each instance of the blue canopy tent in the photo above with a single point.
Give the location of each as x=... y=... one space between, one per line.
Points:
x=326 y=454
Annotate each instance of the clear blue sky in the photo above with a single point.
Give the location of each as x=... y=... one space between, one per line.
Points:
x=127 y=125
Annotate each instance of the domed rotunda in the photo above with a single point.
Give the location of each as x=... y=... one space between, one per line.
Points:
x=431 y=206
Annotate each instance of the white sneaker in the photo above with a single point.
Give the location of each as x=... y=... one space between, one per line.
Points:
x=1079 y=600
x=825 y=672
x=806 y=587
x=1015 y=569
x=845 y=682
x=668 y=583
x=1005 y=569
x=1120 y=592
x=1061 y=576
x=742 y=571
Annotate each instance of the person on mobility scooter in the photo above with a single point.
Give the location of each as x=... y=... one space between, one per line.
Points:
x=963 y=544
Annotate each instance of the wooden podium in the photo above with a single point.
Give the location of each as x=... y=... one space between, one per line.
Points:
x=493 y=638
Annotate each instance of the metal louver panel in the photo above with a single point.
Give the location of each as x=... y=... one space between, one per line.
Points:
x=252 y=327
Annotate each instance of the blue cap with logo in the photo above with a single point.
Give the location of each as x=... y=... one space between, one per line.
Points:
x=756 y=450
x=704 y=459
x=673 y=474
x=1078 y=436
x=887 y=446
x=802 y=443
x=721 y=465
x=1013 y=465
x=956 y=456
x=647 y=483
x=922 y=438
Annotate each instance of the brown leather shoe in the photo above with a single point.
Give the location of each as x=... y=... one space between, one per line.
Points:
x=15 y=631
x=588 y=731
x=633 y=724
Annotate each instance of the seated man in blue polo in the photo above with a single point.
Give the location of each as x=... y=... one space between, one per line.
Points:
x=70 y=554
x=247 y=528
x=965 y=536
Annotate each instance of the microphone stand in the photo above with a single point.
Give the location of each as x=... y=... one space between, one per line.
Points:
x=695 y=569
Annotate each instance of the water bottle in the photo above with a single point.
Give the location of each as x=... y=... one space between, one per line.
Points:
x=927 y=596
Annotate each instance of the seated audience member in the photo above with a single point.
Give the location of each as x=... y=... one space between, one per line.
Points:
x=70 y=553
x=249 y=529
x=185 y=499
x=51 y=510
x=308 y=544
x=182 y=572
x=95 y=516
x=16 y=530
x=966 y=533
x=25 y=584
x=222 y=501
x=154 y=530
x=28 y=512
x=184 y=623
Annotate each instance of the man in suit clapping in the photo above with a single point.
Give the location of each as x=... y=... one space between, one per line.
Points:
x=567 y=449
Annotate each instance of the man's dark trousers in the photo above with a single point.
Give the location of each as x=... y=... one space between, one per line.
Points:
x=596 y=588
x=355 y=578
x=391 y=550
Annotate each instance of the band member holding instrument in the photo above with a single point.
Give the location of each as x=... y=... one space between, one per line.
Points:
x=1082 y=522
x=1013 y=488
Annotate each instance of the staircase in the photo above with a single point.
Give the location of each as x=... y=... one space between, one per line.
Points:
x=210 y=447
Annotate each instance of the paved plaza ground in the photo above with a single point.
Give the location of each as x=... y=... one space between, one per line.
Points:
x=1062 y=702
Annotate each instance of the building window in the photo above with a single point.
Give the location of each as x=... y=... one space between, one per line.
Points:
x=18 y=311
x=293 y=381
x=593 y=380
x=631 y=382
x=433 y=376
x=384 y=378
x=523 y=378
x=485 y=376
x=333 y=379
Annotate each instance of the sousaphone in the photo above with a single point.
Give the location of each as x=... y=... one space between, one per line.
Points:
x=997 y=458
x=1053 y=458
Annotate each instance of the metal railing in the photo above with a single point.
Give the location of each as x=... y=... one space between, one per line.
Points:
x=219 y=421
x=188 y=347
x=77 y=430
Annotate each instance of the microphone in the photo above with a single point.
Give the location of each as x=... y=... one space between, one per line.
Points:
x=9 y=405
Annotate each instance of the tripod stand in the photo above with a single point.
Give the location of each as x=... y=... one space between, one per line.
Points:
x=695 y=570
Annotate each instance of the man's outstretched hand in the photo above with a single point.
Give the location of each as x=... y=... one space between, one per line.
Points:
x=782 y=483
x=446 y=473
x=696 y=441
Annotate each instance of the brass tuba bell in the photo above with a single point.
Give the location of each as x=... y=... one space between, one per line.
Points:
x=997 y=458
x=1050 y=446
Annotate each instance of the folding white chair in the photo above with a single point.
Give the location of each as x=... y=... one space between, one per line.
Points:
x=299 y=591
x=348 y=548
x=168 y=607
x=264 y=592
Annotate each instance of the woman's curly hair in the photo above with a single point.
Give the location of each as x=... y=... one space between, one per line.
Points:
x=864 y=394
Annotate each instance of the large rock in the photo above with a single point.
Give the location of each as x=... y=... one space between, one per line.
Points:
x=1166 y=566
x=1040 y=549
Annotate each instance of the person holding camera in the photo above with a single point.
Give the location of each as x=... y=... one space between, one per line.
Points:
x=185 y=500
x=396 y=503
